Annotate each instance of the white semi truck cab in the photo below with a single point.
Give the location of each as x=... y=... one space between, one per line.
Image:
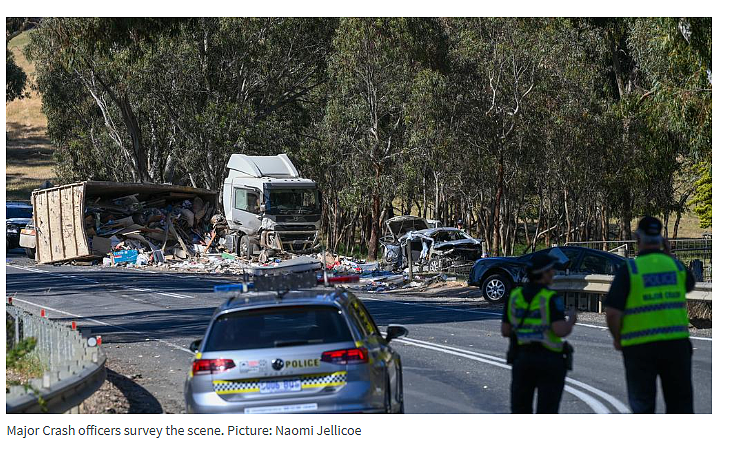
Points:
x=268 y=206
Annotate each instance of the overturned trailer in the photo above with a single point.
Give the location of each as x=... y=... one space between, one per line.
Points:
x=67 y=219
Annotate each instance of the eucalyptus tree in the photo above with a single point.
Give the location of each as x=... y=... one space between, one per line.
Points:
x=98 y=58
x=371 y=72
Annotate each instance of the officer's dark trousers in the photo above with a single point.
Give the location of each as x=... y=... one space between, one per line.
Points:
x=541 y=369
x=671 y=360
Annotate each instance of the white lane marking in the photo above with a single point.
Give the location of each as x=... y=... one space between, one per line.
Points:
x=621 y=407
x=480 y=312
x=161 y=293
x=592 y=402
x=146 y=271
x=618 y=405
x=85 y=279
x=27 y=269
x=127 y=287
x=592 y=326
x=61 y=275
x=174 y=295
x=73 y=315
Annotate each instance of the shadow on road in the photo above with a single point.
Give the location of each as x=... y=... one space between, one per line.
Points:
x=139 y=327
x=139 y=399
x=108 y=279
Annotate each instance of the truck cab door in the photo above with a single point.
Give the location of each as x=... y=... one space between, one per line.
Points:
x=246 y=203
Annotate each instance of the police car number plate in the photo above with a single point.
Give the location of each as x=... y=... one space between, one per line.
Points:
x=280 y=386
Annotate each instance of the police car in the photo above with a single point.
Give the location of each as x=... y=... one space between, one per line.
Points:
x=311 y=350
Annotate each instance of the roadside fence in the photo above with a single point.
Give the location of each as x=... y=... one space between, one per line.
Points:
x=74 y=366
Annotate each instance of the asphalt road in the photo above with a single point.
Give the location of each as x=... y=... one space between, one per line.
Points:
x=452 y=357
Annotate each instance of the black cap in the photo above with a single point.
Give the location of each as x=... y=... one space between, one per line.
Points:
x=540 y=263
x=650 y=226
x=459 y=221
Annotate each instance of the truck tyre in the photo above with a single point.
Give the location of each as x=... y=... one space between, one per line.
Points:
x=244 y=247
x=30 y=252
x=496 y=288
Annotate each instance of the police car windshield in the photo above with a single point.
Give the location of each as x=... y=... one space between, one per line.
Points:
x=277 y=327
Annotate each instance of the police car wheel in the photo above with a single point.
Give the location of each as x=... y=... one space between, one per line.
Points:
x=496 y=288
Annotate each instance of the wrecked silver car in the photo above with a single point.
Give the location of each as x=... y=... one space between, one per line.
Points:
x=395 y=229
x=441 y=248
x=432 y=249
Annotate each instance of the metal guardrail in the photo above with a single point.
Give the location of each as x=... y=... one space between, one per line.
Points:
x=695 y=253
x=74 y=369
x=585 y=292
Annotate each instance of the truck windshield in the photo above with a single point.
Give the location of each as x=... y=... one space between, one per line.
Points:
x=293 y=200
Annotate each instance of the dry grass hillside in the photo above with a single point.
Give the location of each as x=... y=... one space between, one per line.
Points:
x=29 y=152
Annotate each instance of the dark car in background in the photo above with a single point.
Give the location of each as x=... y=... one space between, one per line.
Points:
x=496 y=276
x=17 y=216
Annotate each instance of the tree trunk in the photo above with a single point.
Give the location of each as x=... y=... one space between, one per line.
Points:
x=676 y=225
x=680 y=207
x=605 y=226
x=497 y=203
x=375 y=227
x=437 y=206
x=626 y=218
x=567 y=216
x=135 y=135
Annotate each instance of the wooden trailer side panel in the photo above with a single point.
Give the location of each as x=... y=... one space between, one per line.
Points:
x=43 y=228
x=59 y=224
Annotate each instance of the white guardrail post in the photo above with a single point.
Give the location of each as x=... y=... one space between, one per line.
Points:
x=74 y=369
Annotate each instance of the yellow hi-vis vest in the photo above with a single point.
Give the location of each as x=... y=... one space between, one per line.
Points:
x=536 y=327
x=656 y=308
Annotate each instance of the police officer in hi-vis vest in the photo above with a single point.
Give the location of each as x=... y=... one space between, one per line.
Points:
x=536 y=316
x=646 y=312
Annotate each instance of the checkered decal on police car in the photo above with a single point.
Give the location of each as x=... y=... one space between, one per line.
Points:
x=308 y=381
x=241 y=386
x=324 y=380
